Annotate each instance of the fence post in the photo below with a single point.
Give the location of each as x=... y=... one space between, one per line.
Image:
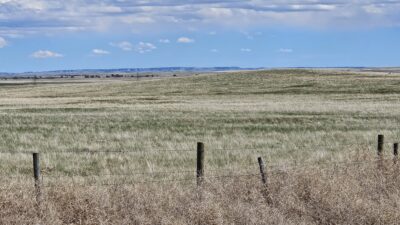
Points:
x=395 y=152
x=36 y=175
x=200 y=163
x=262 y=170
x=265 y=190
x=380 y=144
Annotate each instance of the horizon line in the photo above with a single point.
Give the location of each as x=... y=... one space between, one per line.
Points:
x=197 y=68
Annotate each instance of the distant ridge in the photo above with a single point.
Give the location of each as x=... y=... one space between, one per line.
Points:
x=183 y=69
x=130 y=70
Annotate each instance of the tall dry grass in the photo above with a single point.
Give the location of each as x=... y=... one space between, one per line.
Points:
x=359 y=191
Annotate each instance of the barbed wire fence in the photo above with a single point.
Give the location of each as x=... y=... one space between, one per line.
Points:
x=256 y=170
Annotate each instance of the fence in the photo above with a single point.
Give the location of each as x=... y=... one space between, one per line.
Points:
x=199 y=174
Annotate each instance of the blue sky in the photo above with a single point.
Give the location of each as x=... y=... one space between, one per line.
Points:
x=40 y=35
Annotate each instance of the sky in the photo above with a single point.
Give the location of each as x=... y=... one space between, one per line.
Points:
x=43 y=35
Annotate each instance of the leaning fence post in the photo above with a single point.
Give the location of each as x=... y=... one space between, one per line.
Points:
x=200 y=163
x=36 y=175
x=262 y=170
x=264 y=180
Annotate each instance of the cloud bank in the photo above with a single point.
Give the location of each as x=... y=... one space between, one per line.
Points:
x=34 y=16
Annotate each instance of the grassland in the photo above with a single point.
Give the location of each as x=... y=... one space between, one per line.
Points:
x=290 y=117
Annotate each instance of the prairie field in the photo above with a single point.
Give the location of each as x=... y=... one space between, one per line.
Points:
x=123 y=151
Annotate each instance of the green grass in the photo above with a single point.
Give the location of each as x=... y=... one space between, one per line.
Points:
x=287 y=116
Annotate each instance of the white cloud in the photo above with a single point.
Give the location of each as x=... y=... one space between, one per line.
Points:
x=97 y=51
x=41 y=54
x=285 y=50
x=124 y=45
x=141 y=47
x=144 y=47
x=185 y=40
x=164 y=41
x=245 y=49
x=3 y=42
x=214 y=50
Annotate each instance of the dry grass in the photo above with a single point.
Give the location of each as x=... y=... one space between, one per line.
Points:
x=288 y=117
x=341 y=194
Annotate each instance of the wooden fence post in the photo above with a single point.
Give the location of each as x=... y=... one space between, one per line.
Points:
x=36 y=176
x=395 y=152
x=380 y=151
x=380 y=144
x=200 y=163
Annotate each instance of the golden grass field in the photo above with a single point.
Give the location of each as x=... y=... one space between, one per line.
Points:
x=309 y=126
